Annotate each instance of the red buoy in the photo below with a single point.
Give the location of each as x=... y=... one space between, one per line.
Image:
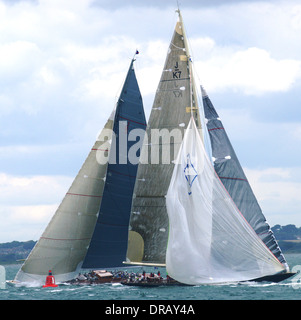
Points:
x=50 y=281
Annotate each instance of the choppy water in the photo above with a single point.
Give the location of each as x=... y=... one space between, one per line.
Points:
x=286 y=290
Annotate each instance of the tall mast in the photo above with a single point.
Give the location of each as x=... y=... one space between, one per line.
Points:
x=174 y=103
x=193 y=92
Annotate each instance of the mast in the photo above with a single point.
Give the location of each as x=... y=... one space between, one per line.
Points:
x=194 y=110
x=174 y=102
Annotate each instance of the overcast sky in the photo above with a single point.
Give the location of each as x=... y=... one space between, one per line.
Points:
x=62 y=65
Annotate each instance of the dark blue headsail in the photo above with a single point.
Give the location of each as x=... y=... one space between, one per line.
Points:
x=109 y=241
x=231 y=174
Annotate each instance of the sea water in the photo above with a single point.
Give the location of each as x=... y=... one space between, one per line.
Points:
x=289 y=289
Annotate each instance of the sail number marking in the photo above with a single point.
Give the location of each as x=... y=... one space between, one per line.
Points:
x=176 y=74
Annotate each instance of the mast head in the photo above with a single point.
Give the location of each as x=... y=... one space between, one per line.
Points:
x=178 y=11
x=137 y=52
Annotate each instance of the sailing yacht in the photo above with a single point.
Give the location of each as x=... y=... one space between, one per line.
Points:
x=196 y=215
x=90 y=227
x=187 y=205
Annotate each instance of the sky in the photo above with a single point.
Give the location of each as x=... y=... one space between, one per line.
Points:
x=62 y=66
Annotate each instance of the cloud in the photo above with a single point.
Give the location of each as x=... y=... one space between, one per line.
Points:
x=259 y=142
x=252 y=71
x=270 y=162
x=63 y=64
x=295 y=132
x=117 y=4
x=33 y=190
x=57 y=53
x=28 y=203
x=17 y=59
x=278 y=192
x=24 y=223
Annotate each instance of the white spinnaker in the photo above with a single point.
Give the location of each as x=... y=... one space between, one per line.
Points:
x=209 y=239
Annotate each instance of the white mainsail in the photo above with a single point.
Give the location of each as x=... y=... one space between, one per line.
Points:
x=209 y=239
x=64 y=243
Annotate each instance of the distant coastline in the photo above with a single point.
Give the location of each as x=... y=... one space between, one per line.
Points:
x=288 y=237
x=15 y=251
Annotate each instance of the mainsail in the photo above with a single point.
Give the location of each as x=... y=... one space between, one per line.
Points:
x=174 y=102
x=229 y=170
x=209 y=239
x=63 y=245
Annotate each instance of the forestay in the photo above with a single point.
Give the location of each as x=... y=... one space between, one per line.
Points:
x=209 y=239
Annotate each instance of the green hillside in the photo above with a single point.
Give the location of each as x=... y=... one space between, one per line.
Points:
x=13 y=252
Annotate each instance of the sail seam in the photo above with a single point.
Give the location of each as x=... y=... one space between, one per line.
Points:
x=148 y=206
x=143 y=124
x=100 y=149
x=122 y=174
x=219 y=128
x=174 y=80
x=83 y=195
x=177 y=46
x=150 y=196
x=82 y=239
x=230 y=178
